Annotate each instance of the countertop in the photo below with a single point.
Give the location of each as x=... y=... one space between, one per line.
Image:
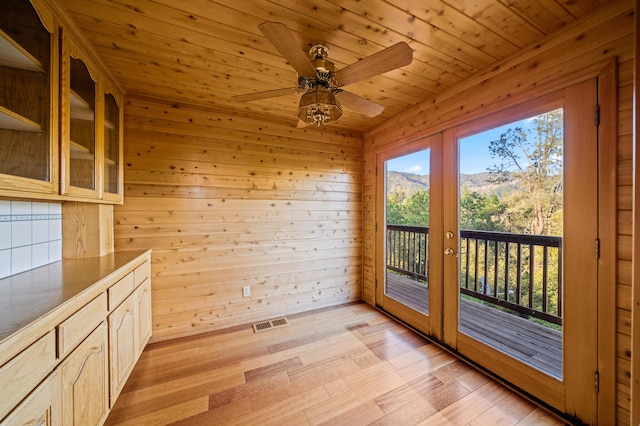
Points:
x=29 y=296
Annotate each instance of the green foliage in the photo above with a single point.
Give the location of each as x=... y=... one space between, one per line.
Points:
x=408 y=211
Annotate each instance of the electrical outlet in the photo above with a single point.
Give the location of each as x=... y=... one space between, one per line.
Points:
x=246 y=291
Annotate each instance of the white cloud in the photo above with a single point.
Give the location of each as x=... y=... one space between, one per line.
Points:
x=415 y=169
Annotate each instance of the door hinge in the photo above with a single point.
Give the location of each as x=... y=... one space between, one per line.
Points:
x=596 y=115
x=597 y=248
x=376 y=282
x=597 y=381
x=375 y=227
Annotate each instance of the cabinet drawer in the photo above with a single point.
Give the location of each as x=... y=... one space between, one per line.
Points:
x=141 y=273
x=78 y=326
x=120 y=290
x=23 y=373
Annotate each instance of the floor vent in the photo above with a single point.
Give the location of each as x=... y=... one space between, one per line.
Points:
x=268 y=325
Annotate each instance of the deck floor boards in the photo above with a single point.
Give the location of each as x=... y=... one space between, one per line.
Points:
x=532 y=343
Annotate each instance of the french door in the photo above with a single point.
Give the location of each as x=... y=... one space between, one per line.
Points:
x=502 y=265
x=411 y=258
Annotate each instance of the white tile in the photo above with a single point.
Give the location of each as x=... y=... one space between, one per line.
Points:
x=20 y=207
x=5 y=207
x=39 y=255
x=39 y=231
x=20 y=259
x=55 y=229
x=20 y=233
x=5 y=235
x=5 y=263
x=55 y=251
x=55 y=208
x=39 y=208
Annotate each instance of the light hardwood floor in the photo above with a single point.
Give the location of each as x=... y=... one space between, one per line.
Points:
x=346 y=365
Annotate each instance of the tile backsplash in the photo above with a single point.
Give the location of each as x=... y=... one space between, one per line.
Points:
x=30 y=235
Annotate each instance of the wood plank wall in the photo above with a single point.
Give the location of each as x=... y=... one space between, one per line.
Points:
x=607 y=34
x=227 y=201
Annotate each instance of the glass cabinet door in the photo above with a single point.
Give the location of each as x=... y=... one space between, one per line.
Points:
x=80 y=140
x=82 y=126
x=27 y=128
x=112 y=179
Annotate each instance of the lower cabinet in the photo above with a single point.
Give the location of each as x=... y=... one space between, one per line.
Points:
x=143 y=313
x=73 y=374
x=42 y=407
x=85 y=386
x=122 y=344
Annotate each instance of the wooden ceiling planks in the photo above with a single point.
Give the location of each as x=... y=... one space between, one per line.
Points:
x=203 y=52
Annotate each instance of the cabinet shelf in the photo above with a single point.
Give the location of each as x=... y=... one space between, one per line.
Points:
x=13 y=121
x=110 y=162
x=80 y=109
x=15 y=56
x=79 y=152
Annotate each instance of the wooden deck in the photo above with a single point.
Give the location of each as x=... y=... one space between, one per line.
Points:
x=533 y=344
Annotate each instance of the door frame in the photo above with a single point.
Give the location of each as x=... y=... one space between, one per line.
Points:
x=606 y=73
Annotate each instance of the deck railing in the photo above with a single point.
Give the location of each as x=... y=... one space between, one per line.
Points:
x=407 y=250
x=515 y=271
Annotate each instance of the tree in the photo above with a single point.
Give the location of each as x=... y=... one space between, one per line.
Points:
x=481 y=212
x=534 y=156
x=408 y=211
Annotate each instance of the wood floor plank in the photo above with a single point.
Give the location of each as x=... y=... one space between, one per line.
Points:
x=337 y=405
x=282 y=408
x=361 y=415
x=348 y=364
x=510 y=410
x=171 y=414
x=465 y=409
x=412 y=413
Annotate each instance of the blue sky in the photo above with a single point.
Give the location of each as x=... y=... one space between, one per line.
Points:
x=474 y=154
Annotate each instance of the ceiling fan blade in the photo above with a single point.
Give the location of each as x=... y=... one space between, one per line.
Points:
x=266 y=94
x=393 y=57
x=360 y=104
x=280 y=36
x=301 y=124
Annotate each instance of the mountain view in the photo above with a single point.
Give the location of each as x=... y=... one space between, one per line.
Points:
x=482 y=183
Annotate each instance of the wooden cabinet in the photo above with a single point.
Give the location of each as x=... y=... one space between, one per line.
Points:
x=42 y=407
x=48 y=75
x=122 y=344
x=72 y=371
x=85 y=384
x=28 y=97
x=143 y=314
x=26 y=370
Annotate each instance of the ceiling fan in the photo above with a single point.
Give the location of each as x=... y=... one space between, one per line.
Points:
x=320 y=82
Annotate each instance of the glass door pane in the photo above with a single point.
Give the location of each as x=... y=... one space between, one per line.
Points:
x=82 y=101
x=111 y=144
x=25 y=66
x=407 y=200
x=511 y=228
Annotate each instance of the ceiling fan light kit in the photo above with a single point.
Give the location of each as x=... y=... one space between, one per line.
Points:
x=318 y=106
x=321 y=82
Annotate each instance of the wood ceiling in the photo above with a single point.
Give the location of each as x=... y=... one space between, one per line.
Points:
x=203 y=52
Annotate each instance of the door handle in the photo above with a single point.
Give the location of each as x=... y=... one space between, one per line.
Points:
x=449 y=235
x=448 y=251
